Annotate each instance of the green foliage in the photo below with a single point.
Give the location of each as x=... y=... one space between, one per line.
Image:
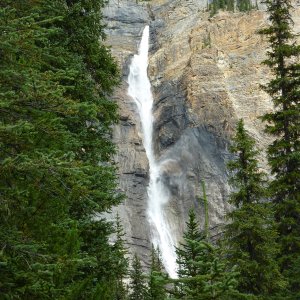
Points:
x=245 y=175
x=244 y=5
x=206 y=225
x=137 y=281
x=56 y=151
x=250 y=237
x=207 y=41
x=230 y=5
x=157 y=277
x=121 y=262
x=284 y=124
x=215 y=5
x=201 y=269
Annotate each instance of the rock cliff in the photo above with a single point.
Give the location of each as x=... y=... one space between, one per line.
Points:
x=205 y=74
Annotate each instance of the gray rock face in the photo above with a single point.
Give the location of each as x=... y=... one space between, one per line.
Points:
x=125 y=22
x=196 y=156
x=205 y=74
x=170 y=114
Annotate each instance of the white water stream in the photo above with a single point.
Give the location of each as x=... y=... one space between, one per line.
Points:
x=140 y=90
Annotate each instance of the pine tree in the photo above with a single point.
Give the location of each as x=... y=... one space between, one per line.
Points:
x=250 y=237
x=137 y=281
x=284 y=124
x=201 y=269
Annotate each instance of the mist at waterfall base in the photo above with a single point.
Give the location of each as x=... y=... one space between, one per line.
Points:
x=139 y=88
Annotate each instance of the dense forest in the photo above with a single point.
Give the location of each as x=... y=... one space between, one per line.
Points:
x=58 y=176
x=57 y=172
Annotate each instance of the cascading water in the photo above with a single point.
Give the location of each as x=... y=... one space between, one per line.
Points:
x=140 y=90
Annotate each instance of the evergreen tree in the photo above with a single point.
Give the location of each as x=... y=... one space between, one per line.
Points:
x=284 y=124
x=205 y=202
x=137 y=284
x=121 y=261
x=244 y=5
x=157 y=277
x=189 y=258
x=250 y=236
x=201 y=270
x=230 y=5
x=56 y=151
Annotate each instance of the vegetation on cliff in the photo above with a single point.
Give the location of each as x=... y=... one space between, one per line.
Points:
x=230 y=5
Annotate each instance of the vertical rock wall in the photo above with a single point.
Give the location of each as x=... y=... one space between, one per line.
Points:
x=205 y=74
x=125 y=22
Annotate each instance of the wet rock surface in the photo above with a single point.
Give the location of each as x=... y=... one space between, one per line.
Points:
x=125 y=22
x=205 y=74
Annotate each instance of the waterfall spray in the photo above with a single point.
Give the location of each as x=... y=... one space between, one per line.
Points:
x=140 y=90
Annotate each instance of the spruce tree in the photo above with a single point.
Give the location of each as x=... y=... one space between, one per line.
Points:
x=250 y=236
x=202 y=272
x=121 y=261
x=284 y=124
x=137 y=281
x=157 y=277
x=190 y=256
x=244 y=5
x=56 y=168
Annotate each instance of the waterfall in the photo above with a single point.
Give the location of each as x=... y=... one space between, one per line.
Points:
x=140 y=90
